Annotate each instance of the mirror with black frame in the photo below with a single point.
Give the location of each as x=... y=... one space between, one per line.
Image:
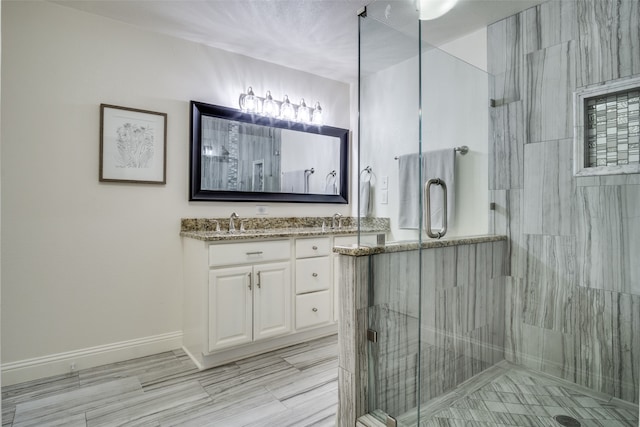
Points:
x=246 y=157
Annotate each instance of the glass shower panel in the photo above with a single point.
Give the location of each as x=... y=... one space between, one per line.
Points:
x=462 y=297
x=389 y=110
x=389 y=127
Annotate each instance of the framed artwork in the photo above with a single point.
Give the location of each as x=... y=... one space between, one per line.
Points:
x=133 y=145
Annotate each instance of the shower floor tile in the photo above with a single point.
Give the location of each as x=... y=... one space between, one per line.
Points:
x=509 y=395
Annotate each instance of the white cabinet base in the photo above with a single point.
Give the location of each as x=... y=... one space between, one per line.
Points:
x=223 y=357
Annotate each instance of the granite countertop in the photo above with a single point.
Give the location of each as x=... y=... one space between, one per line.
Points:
x=267 y=228
x=414 y=245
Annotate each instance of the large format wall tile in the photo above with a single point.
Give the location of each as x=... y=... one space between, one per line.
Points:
x=507 y=151
x=549 y=281
x=608 y=40
x=607 y=342
x=395 y=279
x=607 y=227
x=549 y=24
x=551 y=80
x=504 y=45
x=549 y=188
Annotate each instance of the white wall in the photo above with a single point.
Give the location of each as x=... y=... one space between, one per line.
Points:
x=88 y=265
x=471 y=48
x=455 y=113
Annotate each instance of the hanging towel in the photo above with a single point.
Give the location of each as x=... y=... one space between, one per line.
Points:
x=330 y=186
x=294 y=181
x=435 y=164
x=409 y=192
x=440 y=164
x=365 y=195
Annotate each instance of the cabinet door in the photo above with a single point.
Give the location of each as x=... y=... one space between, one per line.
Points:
x=272 y=300
x=230 y=311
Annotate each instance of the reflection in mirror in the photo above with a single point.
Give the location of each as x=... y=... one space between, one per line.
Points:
x=238 y=156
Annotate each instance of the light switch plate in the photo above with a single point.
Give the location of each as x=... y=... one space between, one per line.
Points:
x=384 y=196
x=384 y=182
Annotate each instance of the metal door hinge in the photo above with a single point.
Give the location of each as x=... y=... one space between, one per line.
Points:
x=372 y=335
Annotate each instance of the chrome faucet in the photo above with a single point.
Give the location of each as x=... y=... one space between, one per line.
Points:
x=232 y=226
x=336 y=218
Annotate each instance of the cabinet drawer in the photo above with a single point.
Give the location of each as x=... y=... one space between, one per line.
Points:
x=317 y=246
x=313 y=274
x=313 y=309
x=248 y=252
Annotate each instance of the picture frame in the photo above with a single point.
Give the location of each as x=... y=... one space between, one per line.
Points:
x=133 y=145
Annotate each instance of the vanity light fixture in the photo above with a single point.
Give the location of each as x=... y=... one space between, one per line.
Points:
x=284 y=110
x=433 y=9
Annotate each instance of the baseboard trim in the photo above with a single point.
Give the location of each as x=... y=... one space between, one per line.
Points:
x=59 y=364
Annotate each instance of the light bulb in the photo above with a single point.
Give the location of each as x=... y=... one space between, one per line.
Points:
x=270 y=107
x=287 y=112
x=317 y=114
x=249 y=103
x=304 y=113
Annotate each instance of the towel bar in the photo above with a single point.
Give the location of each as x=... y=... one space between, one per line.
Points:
x=463 y=149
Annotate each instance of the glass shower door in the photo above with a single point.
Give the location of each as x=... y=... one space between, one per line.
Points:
x=389 y=90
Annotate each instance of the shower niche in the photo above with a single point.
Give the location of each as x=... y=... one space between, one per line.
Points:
x=607 y=128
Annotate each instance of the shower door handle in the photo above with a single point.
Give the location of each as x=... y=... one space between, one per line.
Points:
x=427 y=204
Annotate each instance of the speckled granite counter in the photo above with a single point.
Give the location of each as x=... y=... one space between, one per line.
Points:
x=265 y=228
x=413 y=245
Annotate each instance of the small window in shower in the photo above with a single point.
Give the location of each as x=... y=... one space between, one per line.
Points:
x=607 y=128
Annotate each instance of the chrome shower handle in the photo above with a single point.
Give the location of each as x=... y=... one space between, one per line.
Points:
x=427 y=204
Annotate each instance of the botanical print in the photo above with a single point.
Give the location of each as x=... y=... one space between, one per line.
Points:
x=135 y=146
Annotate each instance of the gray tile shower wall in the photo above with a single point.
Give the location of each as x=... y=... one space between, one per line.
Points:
x=573 y=297
x=462 y=321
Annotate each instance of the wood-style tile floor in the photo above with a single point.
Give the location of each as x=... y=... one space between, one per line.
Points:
x=295 y=386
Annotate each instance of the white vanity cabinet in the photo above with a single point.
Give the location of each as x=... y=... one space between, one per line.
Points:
x=248 y=303
x=244 y=297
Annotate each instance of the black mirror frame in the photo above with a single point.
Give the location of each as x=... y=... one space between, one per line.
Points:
x=196 y=194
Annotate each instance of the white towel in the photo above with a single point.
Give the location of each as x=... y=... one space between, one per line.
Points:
x=293 y=181
x=440 y=164
x=409 y=191
x=330 y=186
x=365 y=196
x=435 y=164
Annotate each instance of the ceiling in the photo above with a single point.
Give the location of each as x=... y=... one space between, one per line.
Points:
x=316 y=36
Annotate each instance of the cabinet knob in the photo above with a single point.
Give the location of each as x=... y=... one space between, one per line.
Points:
x=315 y=248
x=315 y=274
x=314 y=309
